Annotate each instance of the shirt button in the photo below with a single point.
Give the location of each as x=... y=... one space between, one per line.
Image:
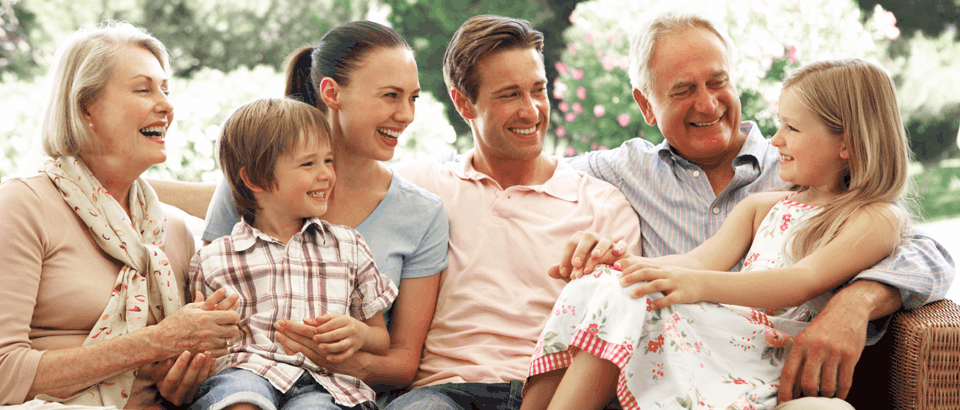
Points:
x=716 y=211
x=696 y=174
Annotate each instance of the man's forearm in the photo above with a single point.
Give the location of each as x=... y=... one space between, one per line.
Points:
x=873 y=300
x=192 y=197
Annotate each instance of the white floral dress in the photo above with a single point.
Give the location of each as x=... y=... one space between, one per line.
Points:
x=690 y=356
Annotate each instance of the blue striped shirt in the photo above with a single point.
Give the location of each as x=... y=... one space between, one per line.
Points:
x=679 y=209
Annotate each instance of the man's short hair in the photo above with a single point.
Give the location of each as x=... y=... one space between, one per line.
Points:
x=256 y=134
x=660 y=22
x=477 y=37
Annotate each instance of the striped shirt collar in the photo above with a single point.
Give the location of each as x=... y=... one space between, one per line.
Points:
x=753 y=149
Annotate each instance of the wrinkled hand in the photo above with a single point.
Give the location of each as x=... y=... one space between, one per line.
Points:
x=178 y=380
x=202 y=326
x=574 y=261
x=823 y=357
x=679 y=285
x=299 y=338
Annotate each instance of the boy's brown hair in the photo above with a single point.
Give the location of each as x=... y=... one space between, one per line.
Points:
x=255 y=135
x=477 y=37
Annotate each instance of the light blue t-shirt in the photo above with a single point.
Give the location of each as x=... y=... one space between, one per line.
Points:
x=407 y=232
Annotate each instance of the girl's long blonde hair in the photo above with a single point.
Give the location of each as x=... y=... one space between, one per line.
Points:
x=855 y=100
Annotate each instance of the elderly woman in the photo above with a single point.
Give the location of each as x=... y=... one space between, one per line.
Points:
x=92 y=302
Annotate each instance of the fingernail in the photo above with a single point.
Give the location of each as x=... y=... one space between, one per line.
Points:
x=563 y=272
x=577 y=261
x=617 y=252
x=595 y=256
x=616 y=267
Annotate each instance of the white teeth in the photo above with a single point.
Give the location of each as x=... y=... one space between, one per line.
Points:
x=390 y=133
x=318 y=194
x=526 y=131
x=706 y=124
x=785 y=157
x=157 y=132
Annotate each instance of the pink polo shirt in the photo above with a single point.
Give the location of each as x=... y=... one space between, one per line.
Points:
x=495 y=295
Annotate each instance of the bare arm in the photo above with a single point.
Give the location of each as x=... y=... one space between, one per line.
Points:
x=873 y=232
x=63 y=372
x=412 y=313
x=192 y=197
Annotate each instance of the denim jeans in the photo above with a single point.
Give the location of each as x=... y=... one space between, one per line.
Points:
x=235 y=385
x=461 y=396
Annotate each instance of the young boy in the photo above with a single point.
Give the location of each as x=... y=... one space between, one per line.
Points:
x=286 y=263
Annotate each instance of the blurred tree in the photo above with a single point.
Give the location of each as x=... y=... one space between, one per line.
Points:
x=429 y=25
x=928 y=16
x=17 y=54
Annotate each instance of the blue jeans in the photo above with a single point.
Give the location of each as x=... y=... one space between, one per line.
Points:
x=461 y=396
x=235 y=385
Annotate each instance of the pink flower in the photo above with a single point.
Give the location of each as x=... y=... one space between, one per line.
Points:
x=570 y=117
x=603 y=148
x=607 y=64
x=600 y=53
x=573 y=16
x=739 y=381
x=561 y=132
x=578 y=74
x=623 y=119
x=561 y=67
x=793 y=53
x=593 y=147
x=599 y=110
x=563 y=106
x=593 y=329
x=571 y=152
x=581 y=93
x=571 y=49
x=557 y=94
x=577 y=108
x=589 y=36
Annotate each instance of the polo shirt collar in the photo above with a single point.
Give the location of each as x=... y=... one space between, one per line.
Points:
x=245 y=235
x=563 y=184
x=752 y=150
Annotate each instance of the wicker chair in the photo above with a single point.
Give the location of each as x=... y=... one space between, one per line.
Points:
x=916 y=365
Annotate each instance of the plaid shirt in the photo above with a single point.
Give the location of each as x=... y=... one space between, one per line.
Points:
x=323 y=269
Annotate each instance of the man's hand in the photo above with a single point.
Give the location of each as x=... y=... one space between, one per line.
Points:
x=824 y=354
x=574 y=261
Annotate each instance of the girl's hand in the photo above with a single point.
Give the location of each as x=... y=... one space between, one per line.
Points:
x=340 y=335
x=679 y=285
x=298 y=338
x=201 y=326
x=178 y=381
x=574 y=260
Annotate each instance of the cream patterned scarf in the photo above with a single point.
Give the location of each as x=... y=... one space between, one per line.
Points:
x=145 y=285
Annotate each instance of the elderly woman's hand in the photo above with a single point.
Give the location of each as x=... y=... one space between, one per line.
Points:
x=202 y=326
x=178 y=380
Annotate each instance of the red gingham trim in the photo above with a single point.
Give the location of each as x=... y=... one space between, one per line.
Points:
x=596 y=346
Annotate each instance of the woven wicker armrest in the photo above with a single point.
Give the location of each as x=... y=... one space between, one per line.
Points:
x=916 y=365
x=925 y=362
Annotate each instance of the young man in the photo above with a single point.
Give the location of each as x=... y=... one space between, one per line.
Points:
x=511 y=209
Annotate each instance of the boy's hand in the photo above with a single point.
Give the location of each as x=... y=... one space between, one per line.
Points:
x=340 y=335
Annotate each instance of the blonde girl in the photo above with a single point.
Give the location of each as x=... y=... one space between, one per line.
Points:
x=683 y=334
